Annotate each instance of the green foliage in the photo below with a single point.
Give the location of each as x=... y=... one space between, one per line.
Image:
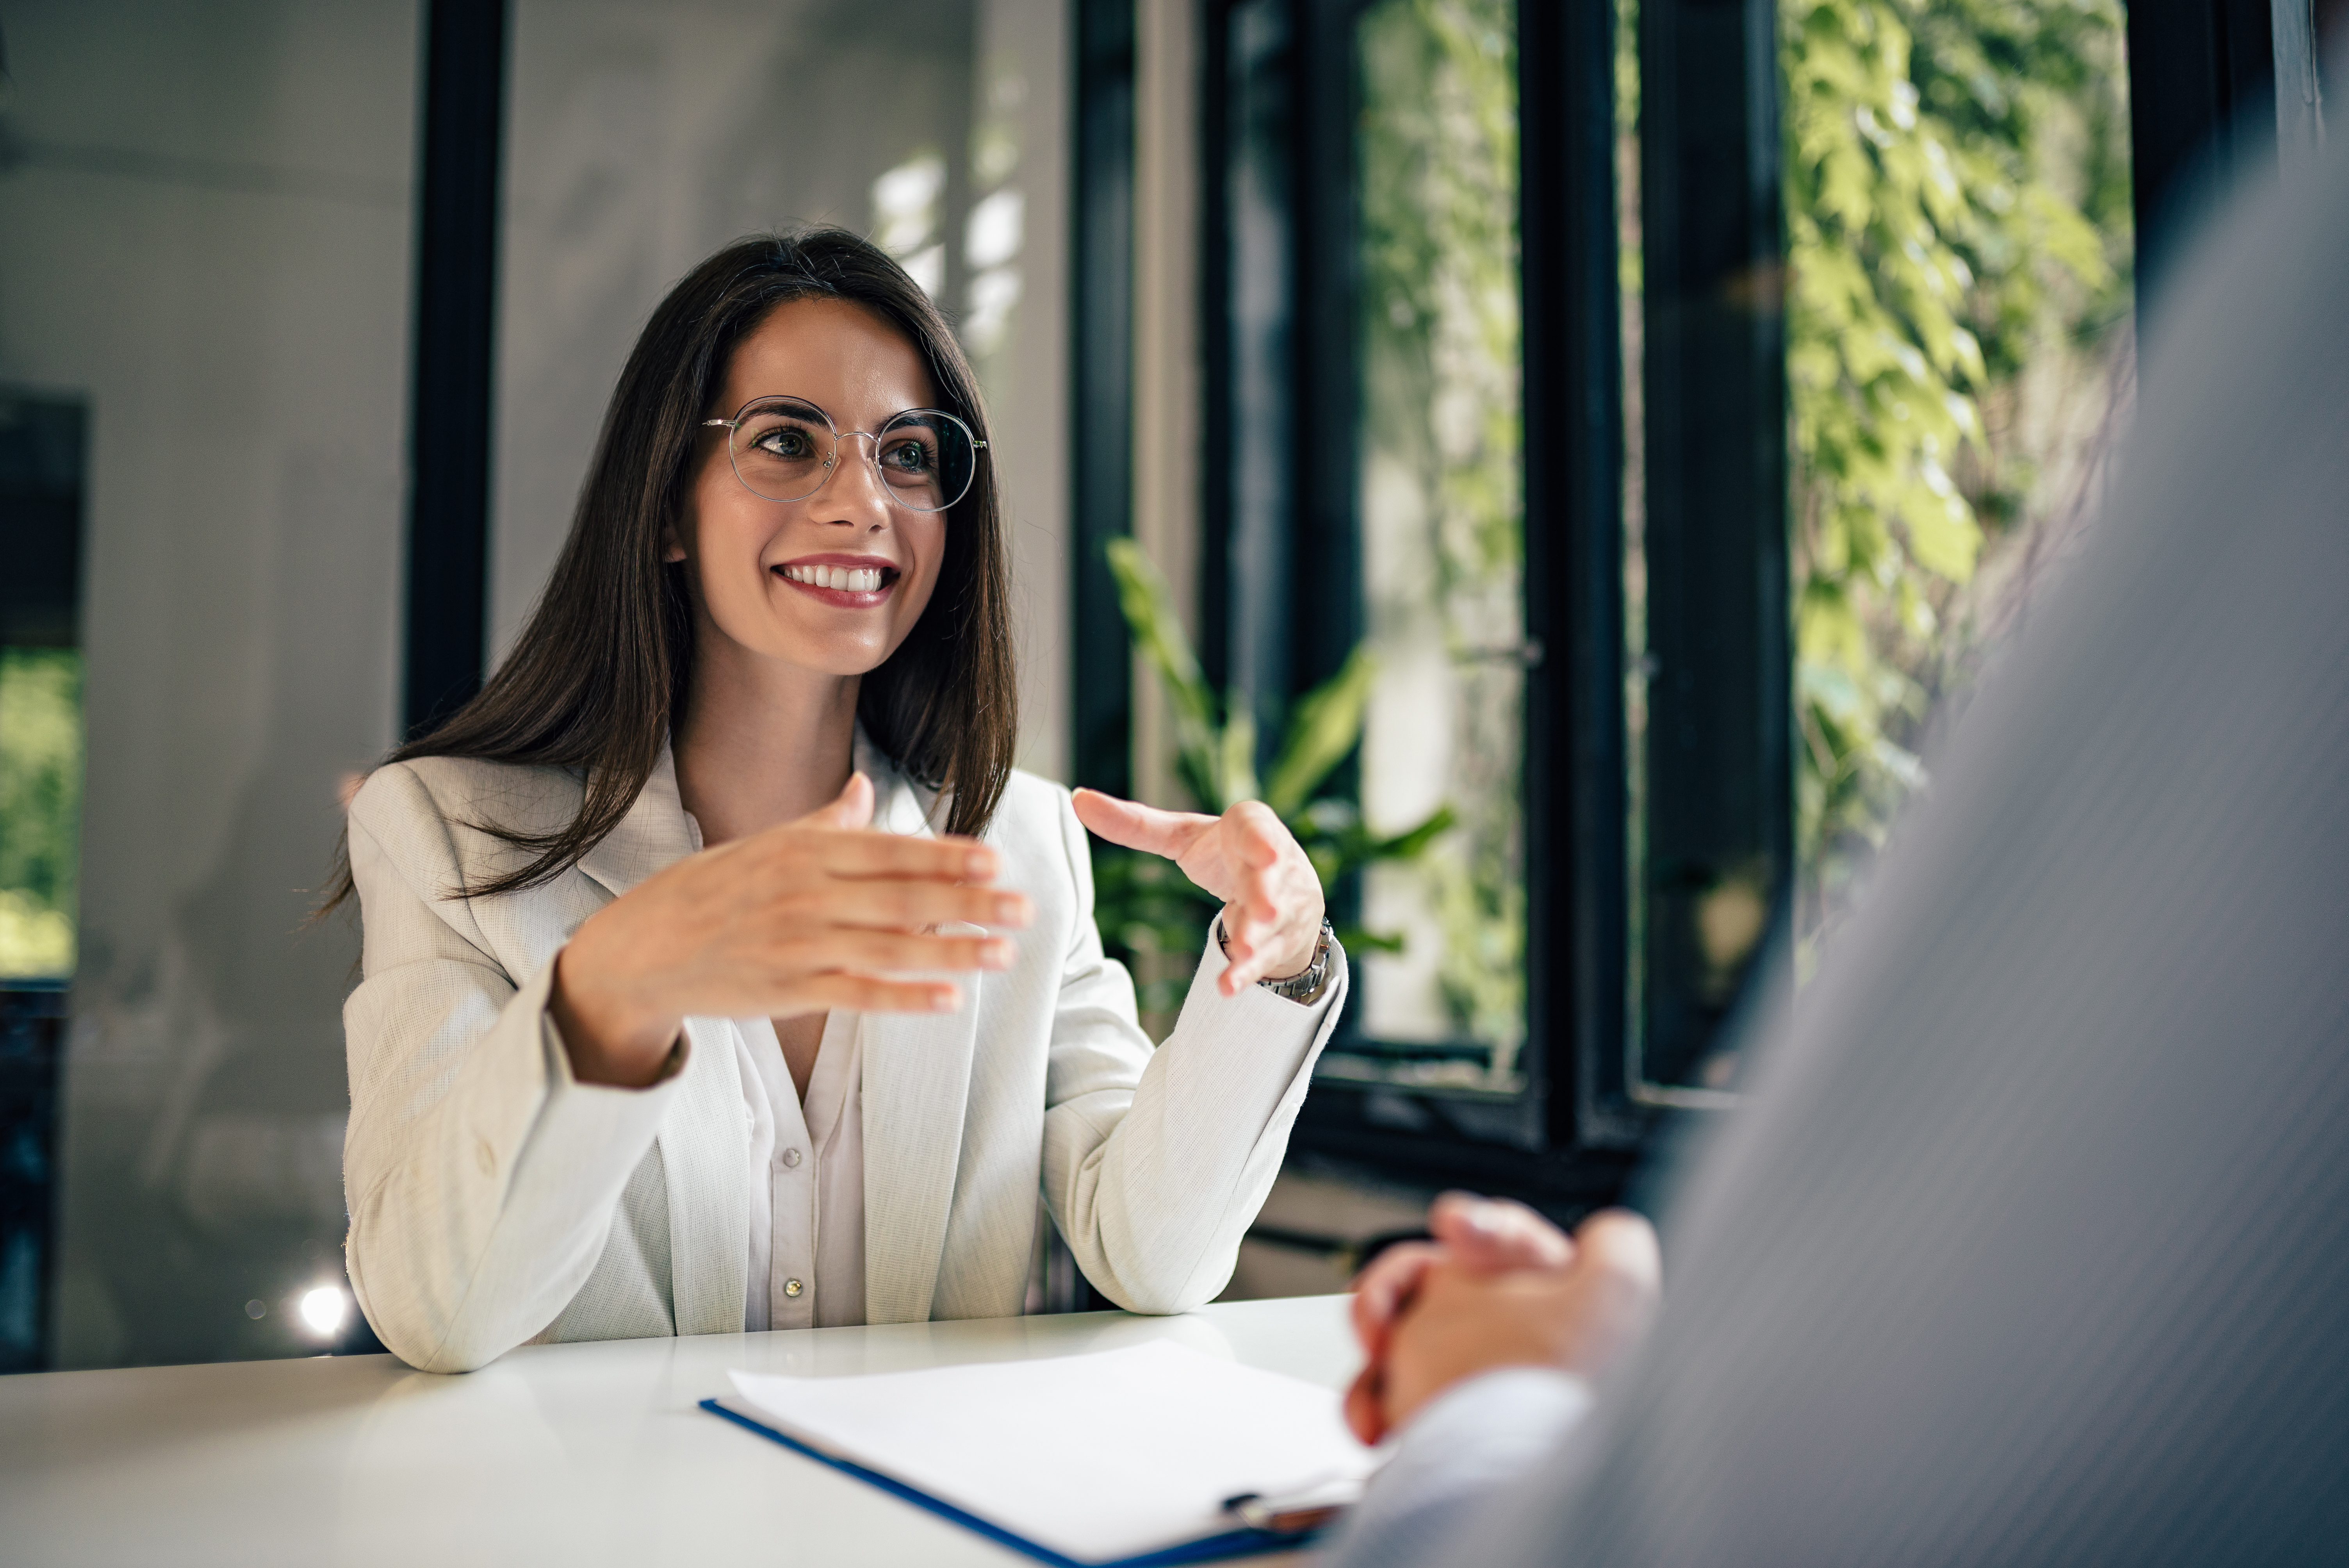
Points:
x=1444 y=458
x=1440 y=272
x=1142 y=901
x=1956 y=203
x=40 y=808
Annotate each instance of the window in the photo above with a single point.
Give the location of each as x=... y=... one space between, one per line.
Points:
x=41 y=449
x=43 y=446
x=1415 y=268
x=1509 y=385
x=1440 y=456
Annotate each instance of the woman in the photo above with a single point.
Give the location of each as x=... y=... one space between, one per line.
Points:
x=655 y=1033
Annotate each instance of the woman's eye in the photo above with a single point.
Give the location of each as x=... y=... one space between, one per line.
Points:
x=787 y=443
x=911 y=456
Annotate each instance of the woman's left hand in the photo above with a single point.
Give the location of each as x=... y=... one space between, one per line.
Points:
x=1272 y=896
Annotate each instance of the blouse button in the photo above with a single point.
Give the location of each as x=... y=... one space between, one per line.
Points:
x=791 y=1158
x=793 y=1287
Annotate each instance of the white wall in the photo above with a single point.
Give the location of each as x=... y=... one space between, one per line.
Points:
x=1024 y=75
x=204 y=230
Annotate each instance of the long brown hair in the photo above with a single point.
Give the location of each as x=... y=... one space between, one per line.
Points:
x=605 y=662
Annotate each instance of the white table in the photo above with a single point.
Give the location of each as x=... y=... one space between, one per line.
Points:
x=572 y=1454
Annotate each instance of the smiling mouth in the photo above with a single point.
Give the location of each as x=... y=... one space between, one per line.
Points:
x=841 y=579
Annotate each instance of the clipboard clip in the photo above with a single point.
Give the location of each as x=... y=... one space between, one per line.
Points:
x=1300 y=1512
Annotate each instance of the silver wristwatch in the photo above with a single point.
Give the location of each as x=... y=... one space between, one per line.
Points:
x=1305 y=986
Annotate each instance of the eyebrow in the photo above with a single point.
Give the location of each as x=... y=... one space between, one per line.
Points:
x=761 y=397
x=899 y=414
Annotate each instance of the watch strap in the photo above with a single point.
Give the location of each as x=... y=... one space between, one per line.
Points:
x=1304 y=987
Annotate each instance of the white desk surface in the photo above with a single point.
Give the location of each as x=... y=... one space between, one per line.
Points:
x=580 y=1455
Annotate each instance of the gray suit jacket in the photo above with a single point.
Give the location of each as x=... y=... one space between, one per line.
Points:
x=494 y=1199
x=2033 y=1246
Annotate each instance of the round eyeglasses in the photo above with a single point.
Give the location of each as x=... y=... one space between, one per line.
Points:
x=785 y=449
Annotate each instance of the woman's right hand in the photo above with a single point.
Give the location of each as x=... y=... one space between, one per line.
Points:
x=804 y=917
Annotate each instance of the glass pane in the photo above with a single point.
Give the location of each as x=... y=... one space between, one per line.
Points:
x=1959 y=336
x=204 y=257
x=1958 y=309
x=1637 y=665
x=40 y=810
x=1440 y=451
x=43 y=459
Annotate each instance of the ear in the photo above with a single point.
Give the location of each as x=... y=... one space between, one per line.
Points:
x=672 y=548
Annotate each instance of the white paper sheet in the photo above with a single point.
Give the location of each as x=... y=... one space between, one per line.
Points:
x=1098 y=1457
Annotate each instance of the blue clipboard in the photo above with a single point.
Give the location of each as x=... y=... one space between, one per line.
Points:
x=1242 y=1542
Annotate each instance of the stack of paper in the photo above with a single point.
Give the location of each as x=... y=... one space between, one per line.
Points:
x=1095 y=1458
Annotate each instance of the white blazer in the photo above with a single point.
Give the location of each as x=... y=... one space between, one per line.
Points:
x=494 y=1199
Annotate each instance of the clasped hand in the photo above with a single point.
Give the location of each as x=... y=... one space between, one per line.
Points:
x=1498 y=1285
x=821 y=912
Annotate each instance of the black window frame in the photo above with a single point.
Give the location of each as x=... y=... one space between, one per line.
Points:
x=1277 y=122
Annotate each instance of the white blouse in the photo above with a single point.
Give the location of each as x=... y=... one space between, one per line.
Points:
x=806 y=1177
x=806 y=1174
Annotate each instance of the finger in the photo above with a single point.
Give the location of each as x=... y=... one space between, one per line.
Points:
x=1239 y=977
x=851 y=949
x=851 y=809
x=1384 y=1288
x=1496 y=1233
x=872 y=994
x=1256 y=936
x=1253 y=910
x=858 y=854
x=1263 y=837
x=1244 y=965
x=1253 y=945
x=1235 y=951
x=1139 y=827
x=1623 y=1245
x=1365 y=1411
x=1251 y=967
x=879 y=904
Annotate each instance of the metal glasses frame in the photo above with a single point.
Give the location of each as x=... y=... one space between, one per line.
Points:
x=831 y=461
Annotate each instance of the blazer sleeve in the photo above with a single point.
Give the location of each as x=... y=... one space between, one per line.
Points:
x=1452 y=1487
x=481 y=1177
x=1155 y=1163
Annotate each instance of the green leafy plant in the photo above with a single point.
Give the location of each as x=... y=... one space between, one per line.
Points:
x=1143 y=904
x=1958 y=228
x=1443 y=475
x=40 y=802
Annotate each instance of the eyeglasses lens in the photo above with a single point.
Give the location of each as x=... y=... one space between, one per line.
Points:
x=925 y=458
x=782 y=449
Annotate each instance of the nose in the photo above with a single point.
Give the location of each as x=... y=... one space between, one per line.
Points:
x=853 y=492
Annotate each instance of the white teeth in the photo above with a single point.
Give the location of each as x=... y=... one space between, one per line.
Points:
x=851 y=580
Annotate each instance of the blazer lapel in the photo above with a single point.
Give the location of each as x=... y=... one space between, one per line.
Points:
x=917 y=1085
x=705 y=1165
x=652 y=837
x=701 y=1138
x=916 y=1089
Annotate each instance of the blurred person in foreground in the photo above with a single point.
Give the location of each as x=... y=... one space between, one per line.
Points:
x=2031 y=1243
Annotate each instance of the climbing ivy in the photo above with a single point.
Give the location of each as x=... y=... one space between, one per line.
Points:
x=1957 y=212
